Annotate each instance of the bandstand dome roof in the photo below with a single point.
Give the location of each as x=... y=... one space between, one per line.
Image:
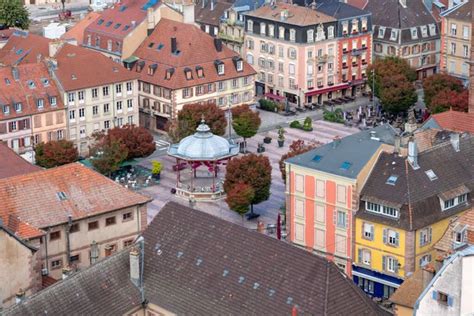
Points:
x=203 y=145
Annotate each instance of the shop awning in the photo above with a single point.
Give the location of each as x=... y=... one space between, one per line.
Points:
x=274 y=96
x=330 y=89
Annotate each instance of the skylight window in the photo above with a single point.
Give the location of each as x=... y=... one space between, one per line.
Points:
x=346 y=165
x=392 y=180
x=18 y=52
x=160 y=46
x=108 y=24
x=123 y=8
x=317 y=158
x=61 y=196
x=117 y=25
x=100 y=21
x=31 y=84
x=126 y=27
x=431 y=175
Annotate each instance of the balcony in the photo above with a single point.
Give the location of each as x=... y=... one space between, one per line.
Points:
x=354 y=64
x=231 y=38
x=345 y=51
x=345 y=66
x=322 y=59
x=330 y=83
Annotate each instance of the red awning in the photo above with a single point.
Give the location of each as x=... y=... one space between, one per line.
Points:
x=274 y=96
x=330 y=89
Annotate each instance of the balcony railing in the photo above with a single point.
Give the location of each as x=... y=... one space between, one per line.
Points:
x=231 y=38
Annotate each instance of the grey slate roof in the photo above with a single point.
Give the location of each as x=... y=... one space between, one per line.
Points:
x=417 y=194
x=356 y=149
x=462 y=12
x=339 y=9
x=390 y=13
x=207 y=266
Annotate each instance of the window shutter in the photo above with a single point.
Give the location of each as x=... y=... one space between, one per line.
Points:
x=335 y=217
x=347 y=219
x=384 y=263
x=421 y=238
x=396 y=266
x=397 y=236
x=21 y=125
x=450 y=300
x=434 y=295
x=372 y=232
x=429 y=234
x=385 y=236
x=359 y=253
x=27 y=123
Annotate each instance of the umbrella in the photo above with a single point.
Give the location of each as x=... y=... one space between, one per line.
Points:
x=278 y=227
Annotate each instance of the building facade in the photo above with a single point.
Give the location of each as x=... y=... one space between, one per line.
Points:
x=398 y=225
x=32 y=110
x=323 y=187
x=179 y=64
x=413 y=34
x=456 y=28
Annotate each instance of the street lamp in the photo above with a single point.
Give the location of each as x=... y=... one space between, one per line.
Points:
x=373 y=88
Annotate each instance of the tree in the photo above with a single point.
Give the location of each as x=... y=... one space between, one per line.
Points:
x=393 y=83
x=297 y=147
x=139 y=141
x=253 y=170
x=240 y=197
x=108 y=156
x=437 y=83
x=190 y=117
x=398 y=94
x=55 y=153
x=449 y=99
x=14 y=14
x=245 y=122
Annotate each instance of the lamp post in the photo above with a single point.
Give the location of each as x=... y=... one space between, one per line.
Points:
x=373 y=88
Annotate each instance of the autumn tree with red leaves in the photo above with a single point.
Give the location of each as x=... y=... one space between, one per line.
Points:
x=55 y=153
x=253 y=170
x=442 y=92
x=240 y=197
x=448 y=99
x=108 y=155
x=245 y=122
x=190 y=117
x=298 y=147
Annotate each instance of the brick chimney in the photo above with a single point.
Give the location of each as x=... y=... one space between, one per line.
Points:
x=427 y=275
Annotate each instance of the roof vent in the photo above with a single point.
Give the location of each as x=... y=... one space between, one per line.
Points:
x=158 y=249
x=346 y=165
x=241 y=279
x=413 y=155
x=256 y=285
x=317 y=158
x=225 y=273
x=179 y=254
x=61 y=196
x=73 y=77
x=198 y=261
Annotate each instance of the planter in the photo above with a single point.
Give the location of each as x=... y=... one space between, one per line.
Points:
x=281 y=143
x=267 y=140
x=156 y=176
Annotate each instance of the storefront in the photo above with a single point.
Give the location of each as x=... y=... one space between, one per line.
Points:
x=320 y=95
x=374 y=283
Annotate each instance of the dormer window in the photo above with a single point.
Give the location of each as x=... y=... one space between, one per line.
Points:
x=6 y=109
x=292 y=35
x=200 y=72
x=281 y=32
x=152 y=69
x=219 y=67
x=262 y=29
x=18 y=107
x=381 y=32
x=450 y=203
x=331 y=32
x=345 y=27
x=414 y=33
x=381 y=209
x=240 y=65
x=424 y=31
x=364 y=24
x=355 y=26
x=53 y=101
x=250 y=26
x=169 y=73
x=310 y=36
x=393 y=35
x=188 y=73
x=140 y=65
x=271 y=30
x=432 y=29
x=40 y=103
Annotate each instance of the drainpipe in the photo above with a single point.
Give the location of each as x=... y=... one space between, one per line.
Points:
x=138 y=219
x=68 y=242
x=46 y=249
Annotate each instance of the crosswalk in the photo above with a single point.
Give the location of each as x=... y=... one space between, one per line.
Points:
x=162 y=145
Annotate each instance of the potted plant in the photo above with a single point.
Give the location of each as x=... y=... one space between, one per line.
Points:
x=156 y=168
x=281 y=136
x=267 y=139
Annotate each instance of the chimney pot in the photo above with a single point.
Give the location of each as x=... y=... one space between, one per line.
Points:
x=174 y=45
x=20 y=296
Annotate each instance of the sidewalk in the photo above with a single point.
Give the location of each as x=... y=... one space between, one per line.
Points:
x=51 y=10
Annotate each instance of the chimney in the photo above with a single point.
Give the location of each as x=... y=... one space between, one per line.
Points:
x=54 y=47
x=135 y=266
x=94 y=252
x=396 y=147
x=150 y=16
x=203 y=4
x=450 y=4
x=212 y=5
x=134 y=23
x=188 y=12
x=336 y=141
x=438 y=263
x=66 y=272
x=454 y=138
x=313 y=5
x=427 y=275
x=174 y=45
x=413 y=155
x=15 y=73
x=38 y=58
x=218 y=44
x=19 y=296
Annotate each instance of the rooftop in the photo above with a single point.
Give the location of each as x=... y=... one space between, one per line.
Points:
x=22 y=86
x=335 y=8
x=409 y=291
x=12 y=164
x=463 y=223
x=462 y=11
x=77 y=31
x=25 y=47
x=443 y=173
x=296 y=15
x=199 y=264
x=205 y=13
x=196 y=55
x=347 y=156
x=37 y=198
x=452 y=121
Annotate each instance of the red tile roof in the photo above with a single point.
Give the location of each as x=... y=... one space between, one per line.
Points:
x=25 y=47
x=297 y=15
x=34 y=83
x=5 y=34
x=455 y=121
x=12 y=165
x=117 y=22
x=196 y=48
x=77 y=31
x=80 y=68
x=33 y=198
x=361 y=4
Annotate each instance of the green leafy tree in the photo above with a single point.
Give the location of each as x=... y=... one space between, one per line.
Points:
x=14 y=14
x=55 y=153
x=240 y=197
x=107 y=156
x=398 y=94
x=245 y=122
x=437 y=83
x=253 y=170
x=190 y=117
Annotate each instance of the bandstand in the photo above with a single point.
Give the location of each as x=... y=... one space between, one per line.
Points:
x=199 y=158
